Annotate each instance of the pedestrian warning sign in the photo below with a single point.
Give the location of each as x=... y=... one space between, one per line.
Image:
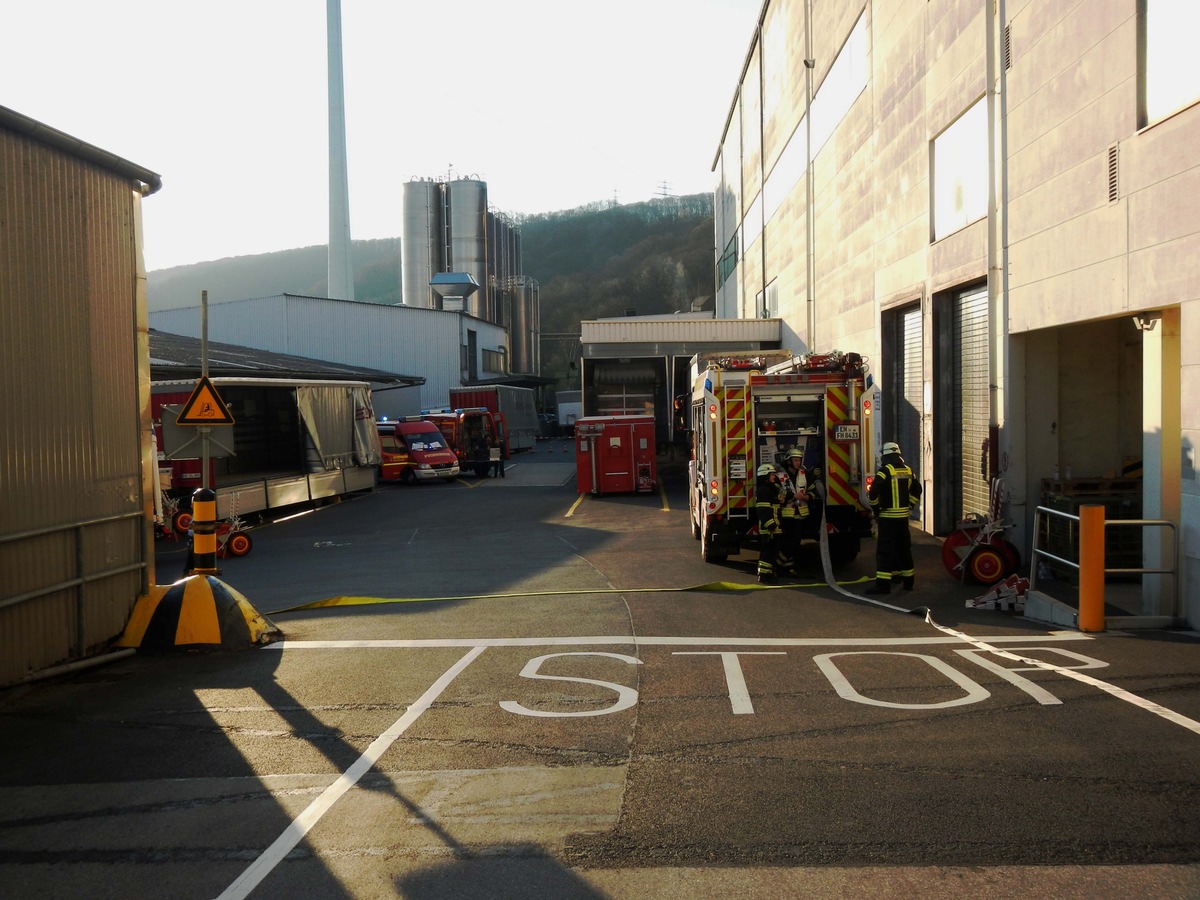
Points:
x=204 y=407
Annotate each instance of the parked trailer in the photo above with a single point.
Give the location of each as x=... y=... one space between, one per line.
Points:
x=615 y=454
x=292 y=442
x=515 y=404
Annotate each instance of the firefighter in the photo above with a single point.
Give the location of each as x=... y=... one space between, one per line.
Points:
x=894 y=493
x=767 y=499
x=794 y=509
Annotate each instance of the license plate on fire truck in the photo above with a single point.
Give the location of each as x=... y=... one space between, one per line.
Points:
x=846 y=432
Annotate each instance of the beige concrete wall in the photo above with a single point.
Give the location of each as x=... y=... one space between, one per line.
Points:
x=1080 y=262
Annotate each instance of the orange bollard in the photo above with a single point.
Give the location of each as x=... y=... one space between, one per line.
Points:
x=1091 y=568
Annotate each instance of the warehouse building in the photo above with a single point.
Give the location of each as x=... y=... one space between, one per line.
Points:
x=995 y=204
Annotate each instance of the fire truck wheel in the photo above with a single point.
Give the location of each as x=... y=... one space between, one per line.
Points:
x=409 y=477
x=708 y=552
x=183 y=521
x=987 y=564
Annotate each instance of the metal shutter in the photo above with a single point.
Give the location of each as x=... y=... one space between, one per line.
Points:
x=911 y=376
x=971 y=396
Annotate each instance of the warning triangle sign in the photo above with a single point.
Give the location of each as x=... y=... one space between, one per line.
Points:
x=204 y=407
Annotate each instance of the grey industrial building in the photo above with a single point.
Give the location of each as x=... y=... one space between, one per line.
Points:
x=996 y=203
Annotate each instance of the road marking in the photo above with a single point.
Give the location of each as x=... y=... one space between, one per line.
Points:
x=975 y=692
x=628 y=696
x=302 y=824
x=1111 y=689
x=735 y=678
x=628 y=641
x=574 y=506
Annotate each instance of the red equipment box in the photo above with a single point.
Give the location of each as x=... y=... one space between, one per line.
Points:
x=615 y=454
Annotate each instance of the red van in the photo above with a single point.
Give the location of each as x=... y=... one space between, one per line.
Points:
x=414 y=450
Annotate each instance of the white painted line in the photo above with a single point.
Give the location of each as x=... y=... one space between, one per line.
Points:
x=295 y=832
x=735 y=678
x=1111 y=689
x=626 y=640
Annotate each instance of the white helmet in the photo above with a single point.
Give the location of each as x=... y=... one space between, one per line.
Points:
x=766 y=469
x=890 y=447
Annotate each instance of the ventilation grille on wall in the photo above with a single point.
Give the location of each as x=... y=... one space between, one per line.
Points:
x=1112 y=174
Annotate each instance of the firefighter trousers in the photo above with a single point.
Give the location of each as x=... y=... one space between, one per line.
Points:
x=893 y=551
x=768 y=554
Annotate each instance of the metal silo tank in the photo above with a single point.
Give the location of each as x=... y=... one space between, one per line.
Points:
x=421 y=241
x=468 y=237
x=518 y=328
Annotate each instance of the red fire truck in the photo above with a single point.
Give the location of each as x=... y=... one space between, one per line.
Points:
x=752 y=407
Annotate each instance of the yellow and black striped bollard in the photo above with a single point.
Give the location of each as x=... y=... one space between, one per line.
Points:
x=204 y=532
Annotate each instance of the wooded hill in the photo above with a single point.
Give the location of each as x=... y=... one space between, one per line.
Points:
x=592 y=262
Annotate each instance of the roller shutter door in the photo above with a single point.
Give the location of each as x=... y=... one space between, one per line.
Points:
x=972 y=397
x=911 y=385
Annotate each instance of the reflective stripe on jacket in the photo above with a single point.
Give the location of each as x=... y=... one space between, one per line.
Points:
x=894 y=492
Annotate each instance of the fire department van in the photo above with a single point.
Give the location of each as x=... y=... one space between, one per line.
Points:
x=478 y=436
x=751 y=408
x=413 y=451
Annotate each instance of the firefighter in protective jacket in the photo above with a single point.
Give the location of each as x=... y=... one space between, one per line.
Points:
x=793 y=510
x=767 y=501
x=893 y=495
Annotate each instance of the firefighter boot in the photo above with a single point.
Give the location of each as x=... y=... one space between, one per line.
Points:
x=909 y=582
x=881 y=586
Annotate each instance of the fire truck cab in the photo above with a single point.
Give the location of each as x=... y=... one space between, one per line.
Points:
x=753 y=407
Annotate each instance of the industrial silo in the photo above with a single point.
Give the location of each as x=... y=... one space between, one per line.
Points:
x=468 y=237
x=422 y=241
x=524 y=332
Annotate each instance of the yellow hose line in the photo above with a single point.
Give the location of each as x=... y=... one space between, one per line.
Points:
x=710 y=587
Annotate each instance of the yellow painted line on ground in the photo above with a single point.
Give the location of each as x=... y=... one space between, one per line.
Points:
x=662 y=492
x=574 y=506
x=709 y=587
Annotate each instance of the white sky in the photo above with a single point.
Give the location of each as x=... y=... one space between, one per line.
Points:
x=553 y=103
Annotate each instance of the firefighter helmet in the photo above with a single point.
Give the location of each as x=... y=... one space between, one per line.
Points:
x=795 y=453
x=890 y=447
x=765 y=469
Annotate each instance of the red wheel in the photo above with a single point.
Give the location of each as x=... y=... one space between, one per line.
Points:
x=239 y=543
x=1014 y=556
x=183 y=521
x=956 y=548
x=987 y=564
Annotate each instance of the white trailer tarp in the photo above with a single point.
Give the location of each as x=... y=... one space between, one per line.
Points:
x=340 y=423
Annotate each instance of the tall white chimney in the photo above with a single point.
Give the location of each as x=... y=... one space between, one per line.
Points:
x=341 y=271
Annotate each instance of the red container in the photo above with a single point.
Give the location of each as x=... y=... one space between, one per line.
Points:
x=615 y=454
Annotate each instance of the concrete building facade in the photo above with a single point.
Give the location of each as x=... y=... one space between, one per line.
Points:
x=994 y=202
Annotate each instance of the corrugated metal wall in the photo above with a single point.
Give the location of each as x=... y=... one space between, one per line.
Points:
x=401 y=339
x=72 y=512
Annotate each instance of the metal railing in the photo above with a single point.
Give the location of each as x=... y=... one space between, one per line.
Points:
x=1039 y=553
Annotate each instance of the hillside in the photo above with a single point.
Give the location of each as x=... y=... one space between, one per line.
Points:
x=592 y=262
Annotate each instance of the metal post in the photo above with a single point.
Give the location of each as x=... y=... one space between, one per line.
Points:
x=1091 y=568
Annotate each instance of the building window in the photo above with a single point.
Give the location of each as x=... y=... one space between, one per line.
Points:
x=847 y=79
x=493 y=361
x=1170 y=78
x=960 y=175
x=727 y=264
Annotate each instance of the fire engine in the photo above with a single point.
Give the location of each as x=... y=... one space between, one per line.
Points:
x=752 y=407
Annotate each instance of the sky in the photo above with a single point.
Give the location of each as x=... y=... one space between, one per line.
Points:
x=555 y=104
